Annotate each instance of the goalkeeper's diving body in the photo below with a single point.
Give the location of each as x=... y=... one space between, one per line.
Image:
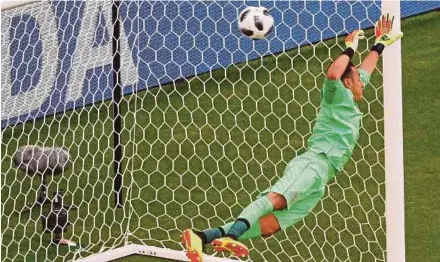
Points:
x=330 y=147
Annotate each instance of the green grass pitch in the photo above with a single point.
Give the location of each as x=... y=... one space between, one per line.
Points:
x=202 y=149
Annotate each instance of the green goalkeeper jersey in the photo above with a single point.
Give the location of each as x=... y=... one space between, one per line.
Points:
x=338 y=122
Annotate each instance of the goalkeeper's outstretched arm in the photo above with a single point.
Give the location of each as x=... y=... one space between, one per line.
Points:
x=370 y=62
x=384 y=38
x=339 y=66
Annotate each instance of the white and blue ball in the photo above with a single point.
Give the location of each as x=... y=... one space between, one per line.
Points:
x=255 y=22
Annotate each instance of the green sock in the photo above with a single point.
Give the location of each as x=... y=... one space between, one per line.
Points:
x=209 y=235
x=253 y=232
x=249 y=216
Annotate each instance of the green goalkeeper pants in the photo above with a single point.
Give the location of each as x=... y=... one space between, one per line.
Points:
x=302 y=185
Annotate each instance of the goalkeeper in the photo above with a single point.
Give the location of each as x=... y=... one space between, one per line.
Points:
x=302 y=185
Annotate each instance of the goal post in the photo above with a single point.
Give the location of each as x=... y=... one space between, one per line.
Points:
x=170 y=113
x=393 y=133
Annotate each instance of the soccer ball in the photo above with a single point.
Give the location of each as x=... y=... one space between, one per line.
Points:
x=255 y=22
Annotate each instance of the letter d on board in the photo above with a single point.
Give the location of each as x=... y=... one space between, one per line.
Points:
x=29 y=98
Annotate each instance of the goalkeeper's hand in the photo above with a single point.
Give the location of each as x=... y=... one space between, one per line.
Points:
x=383 y=31
x=352 y=40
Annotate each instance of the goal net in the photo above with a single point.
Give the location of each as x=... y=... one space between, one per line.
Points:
x=209 y=119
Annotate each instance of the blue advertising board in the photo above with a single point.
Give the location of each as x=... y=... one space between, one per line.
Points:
x=56 y=56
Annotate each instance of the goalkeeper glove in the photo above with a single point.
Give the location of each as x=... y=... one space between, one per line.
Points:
x=352 y=40
x=384 y=36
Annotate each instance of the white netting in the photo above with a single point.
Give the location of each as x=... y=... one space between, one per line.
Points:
x=196 y=150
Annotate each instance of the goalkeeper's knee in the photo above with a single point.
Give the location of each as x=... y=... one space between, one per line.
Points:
x=269 y=225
